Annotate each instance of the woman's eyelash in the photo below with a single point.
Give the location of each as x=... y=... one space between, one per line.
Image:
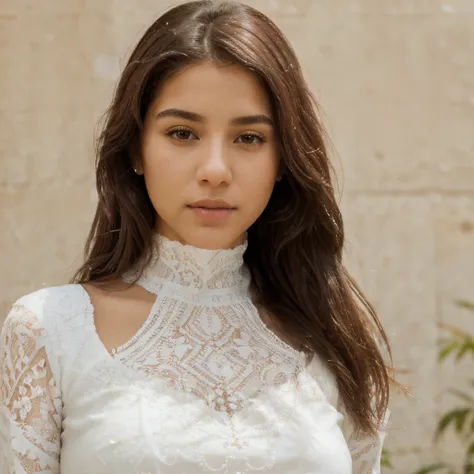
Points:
x=261 y=138
x=173 y=131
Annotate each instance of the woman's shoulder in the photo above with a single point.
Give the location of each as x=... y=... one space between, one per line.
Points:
x=319 y=371
x=51 y=307
x=44 y=330
x=63 y=298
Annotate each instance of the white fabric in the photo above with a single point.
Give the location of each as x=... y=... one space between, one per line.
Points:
x=204 y=386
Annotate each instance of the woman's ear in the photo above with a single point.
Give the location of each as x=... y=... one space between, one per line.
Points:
x=281 y=171
x=137 y=166
x=135 y=159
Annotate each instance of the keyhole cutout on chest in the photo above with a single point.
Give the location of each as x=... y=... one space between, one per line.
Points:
x=119 y=312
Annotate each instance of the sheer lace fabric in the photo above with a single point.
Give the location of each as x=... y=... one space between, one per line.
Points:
x=204 y=385
x=30 y=417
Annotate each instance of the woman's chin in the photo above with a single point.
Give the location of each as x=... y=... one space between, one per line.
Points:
x=203 y=237
x=215 y=243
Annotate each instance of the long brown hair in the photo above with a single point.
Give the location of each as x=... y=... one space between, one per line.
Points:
x=295 y=247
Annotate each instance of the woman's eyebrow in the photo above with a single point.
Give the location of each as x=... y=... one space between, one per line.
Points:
x=194 y=117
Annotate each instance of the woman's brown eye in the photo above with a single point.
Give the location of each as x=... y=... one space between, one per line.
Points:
x=251 y=139
x=181 y=135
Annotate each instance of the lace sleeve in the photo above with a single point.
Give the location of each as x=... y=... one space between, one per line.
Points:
x=366 y=451
x=30 y=402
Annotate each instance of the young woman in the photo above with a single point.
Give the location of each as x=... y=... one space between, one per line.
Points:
x=213 y=326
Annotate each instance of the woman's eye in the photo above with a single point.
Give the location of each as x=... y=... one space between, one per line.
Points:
x=251 y=139
x=181 y=134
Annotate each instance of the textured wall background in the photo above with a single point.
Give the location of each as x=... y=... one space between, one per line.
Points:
x=396 y=81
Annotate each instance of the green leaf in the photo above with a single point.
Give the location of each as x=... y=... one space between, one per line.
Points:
x=469 y=468
x=461 y=418
x=385 y=461
x=470 y=450
x=465 y=304
x=467 y=346
x=459 y=344
x=431 y=468
x=463 y=396
x=447 y=349
x=457 y=416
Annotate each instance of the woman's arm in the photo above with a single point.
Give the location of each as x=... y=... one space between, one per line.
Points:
x=30 y=399
x=366 y=451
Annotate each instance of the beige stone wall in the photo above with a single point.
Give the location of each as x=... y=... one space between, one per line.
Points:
x=396 y=81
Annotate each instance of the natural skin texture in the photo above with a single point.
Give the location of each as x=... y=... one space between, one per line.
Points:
x=216 y=157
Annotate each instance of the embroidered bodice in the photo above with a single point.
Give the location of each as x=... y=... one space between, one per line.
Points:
x=205 y=385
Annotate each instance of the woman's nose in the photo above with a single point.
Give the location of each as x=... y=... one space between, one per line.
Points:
x=214 y=168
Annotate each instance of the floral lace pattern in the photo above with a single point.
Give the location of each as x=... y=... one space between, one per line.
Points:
x=366 y=452
x=30 y=402
x=207 y=383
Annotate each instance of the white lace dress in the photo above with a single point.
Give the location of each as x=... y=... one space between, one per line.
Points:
x=204 y=385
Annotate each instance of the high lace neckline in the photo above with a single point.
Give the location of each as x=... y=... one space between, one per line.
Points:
x=201 y=283
x=205 y=279
x=194 y=270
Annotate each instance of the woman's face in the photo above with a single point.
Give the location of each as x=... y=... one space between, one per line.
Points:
x=209 y=155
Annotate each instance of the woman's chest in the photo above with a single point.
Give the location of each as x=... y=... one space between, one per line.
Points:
x=147 y=425
x=198 y=394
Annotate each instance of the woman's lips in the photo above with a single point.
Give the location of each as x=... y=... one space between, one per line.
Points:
x=214 y=213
